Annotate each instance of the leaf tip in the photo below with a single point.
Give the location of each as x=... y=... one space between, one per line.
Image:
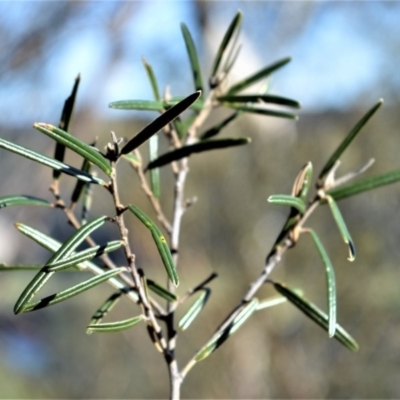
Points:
x=352 y=251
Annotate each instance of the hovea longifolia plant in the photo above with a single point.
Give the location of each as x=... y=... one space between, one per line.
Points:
x=181 y=122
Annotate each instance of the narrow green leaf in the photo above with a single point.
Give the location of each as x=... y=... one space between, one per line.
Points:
x=155 y=173
x=64 y=251
x=364 y=185
x=64 y=123
x=76 y=145
x=262 y=111
x=132 y=158
x=317 y=315
x=72 y=291
x=182 y=126
x=193 y=58
x=330 y=282
x=49 y=162
x=195 y=309
x=115 y=326
x=257 y=98
x=287 y=200
x=342 y=227
x=23 y=200
x=234 y=25
x=274 y=301
x=105 y=308
x=218 y=128
x=20 y=268
x=199 y=147
x=271 y=302
x=348 y=139
x=197 y=105
x=86 y=203
x=148 y=105
x=159 y=123
x=160 y=242
x=53 y=245
x=258 y=76
x=221 y=337
x=79 y=186
x=82 y=256
x=161 y=291
x=152 y=79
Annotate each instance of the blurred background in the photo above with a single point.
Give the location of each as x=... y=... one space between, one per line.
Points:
x=345 y=57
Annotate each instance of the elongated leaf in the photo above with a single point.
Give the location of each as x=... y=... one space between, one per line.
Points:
x=317 y=315
x=262 y=111
x=330 y=282
x=152 y=79
x=148 y=105
x=161 y=291
x=64 y=123
x=193 y=58
x=20 y=268
x=182 y=126
x=159 y=123
x=364 y=185
x=287 y=200
x=79 y=186
x=258 y=76
x=76 y=145
x=49 y=162
x=303 y=181
x=53 y=245
x=72 y=291
x=64 y=251
x=234 y=25
x=82 y=256
x=155 y=173
x=342 y=227
x=23 y=200
x=86 y=203
x=218 y=128
x=221 y=337
x=160 y=242
x=195 y=309
x=197 y=105
x=271 y=302
x=105 y=308
x=115 y=326
x=132 y=158
x=199 y=147
x=348 y=139
x=257 y=98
